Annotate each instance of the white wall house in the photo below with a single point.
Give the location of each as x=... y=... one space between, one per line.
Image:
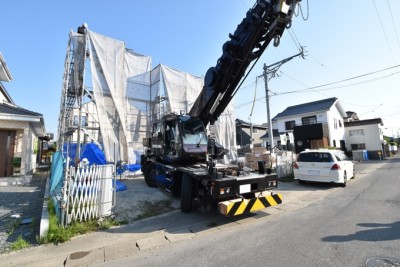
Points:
x=365 y=135
x=20 y=132
x=314 y=125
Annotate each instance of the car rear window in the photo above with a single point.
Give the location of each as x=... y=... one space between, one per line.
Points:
x=315 y=157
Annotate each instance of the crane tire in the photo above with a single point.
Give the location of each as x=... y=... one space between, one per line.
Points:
x=149 y=175
x=187 y=193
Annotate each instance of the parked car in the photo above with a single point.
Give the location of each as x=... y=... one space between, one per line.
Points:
x=331 y=166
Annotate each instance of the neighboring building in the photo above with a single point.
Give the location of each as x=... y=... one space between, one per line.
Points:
x=314 y=125
x=351 y=116
x=20 y=133
x=244 y=136
x=276 y=137
x=365 y=135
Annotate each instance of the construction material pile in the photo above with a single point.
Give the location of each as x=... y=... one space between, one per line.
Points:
x=259 y=154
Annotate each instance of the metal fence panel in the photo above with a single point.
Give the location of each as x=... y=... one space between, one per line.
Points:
x=90 y=192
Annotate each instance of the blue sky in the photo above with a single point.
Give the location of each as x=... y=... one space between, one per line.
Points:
x=356 y=41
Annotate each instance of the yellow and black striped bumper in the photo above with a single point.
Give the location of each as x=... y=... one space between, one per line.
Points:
x=242 y=206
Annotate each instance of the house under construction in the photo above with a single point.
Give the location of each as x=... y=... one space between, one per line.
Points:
x=111 y=95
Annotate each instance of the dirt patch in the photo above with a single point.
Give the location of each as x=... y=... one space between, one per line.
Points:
x=140 y=201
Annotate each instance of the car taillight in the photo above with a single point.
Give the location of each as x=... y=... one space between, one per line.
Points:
x=335 y=167
x=295 y=166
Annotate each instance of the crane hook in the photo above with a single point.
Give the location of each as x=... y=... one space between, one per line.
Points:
x=277 y=40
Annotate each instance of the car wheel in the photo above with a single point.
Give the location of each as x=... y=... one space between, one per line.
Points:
x=344 y=180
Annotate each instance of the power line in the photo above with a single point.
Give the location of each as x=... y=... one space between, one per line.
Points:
x=383 y=29
x=338 y=87
x=345 y=80
x=295 y=39
x=311 y=89
x=394 y=24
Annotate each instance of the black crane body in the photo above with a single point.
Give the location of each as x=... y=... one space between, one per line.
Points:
x=181 y=158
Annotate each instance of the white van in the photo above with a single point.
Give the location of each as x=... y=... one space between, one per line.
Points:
x=331 y=166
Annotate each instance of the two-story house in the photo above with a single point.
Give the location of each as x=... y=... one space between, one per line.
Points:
x=20 y=132
x=314 y=125
x=365 y=135
x=247 y=134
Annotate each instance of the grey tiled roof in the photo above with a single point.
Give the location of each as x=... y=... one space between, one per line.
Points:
x=15 y=110
x=275 y=133
x=240 y=122
x=363 y=122
x=316 y=106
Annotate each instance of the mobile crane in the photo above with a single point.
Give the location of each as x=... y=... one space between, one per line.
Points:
x=179 y=155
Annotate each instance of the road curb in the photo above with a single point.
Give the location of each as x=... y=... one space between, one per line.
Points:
x=44 y=221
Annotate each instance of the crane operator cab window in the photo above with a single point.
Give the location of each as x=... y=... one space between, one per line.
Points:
x=157 y=138
x=193 y=132
x=171 y=138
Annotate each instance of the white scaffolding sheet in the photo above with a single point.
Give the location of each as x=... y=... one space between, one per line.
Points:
x=129 y=96
x=111 y=66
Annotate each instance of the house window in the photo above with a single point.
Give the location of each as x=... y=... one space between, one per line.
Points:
x=334 y=143
x=356 y=132
x=335 y=123
x=357 y=146
x=309 y=120
x=255 y=130
x=83 y=120
x=340 y=123
x=289 y=125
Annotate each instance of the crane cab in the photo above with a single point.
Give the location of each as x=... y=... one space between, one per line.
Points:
x=179 y=138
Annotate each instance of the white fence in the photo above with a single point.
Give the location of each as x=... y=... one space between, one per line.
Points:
x=90 y=192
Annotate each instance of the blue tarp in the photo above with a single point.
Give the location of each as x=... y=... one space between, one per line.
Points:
x=56 y=180
x=90 y=151
x=128 y=167
x=120 y=186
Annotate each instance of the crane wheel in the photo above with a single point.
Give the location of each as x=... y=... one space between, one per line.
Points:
x=187 y=193
x=149 y=175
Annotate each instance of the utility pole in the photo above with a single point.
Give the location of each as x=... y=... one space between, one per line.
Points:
x=270 y=72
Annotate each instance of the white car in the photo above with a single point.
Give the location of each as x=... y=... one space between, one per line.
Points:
x=331 y=166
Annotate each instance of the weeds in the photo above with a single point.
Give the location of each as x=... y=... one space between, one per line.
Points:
x=20 y=243
x=58 y=234
x=12 y=225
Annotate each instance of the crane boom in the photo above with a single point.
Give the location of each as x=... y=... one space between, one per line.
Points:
x=265 y=21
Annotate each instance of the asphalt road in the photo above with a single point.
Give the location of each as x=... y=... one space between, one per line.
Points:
x=346 y=228
x=21 y=211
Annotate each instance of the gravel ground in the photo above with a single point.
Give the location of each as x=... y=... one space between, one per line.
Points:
x=139 y=200
x=17 y=203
